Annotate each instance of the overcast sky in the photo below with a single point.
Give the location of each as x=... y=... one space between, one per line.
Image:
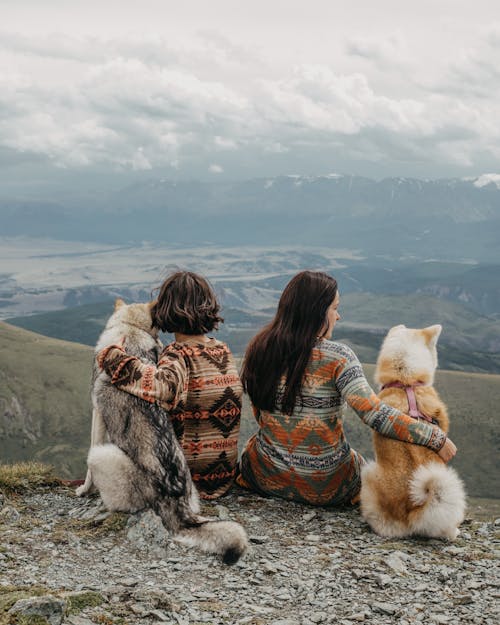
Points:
x=236 y=89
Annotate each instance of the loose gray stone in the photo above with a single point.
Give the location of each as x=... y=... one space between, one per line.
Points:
x=318 y=617
x=129 y=581
x=75 y=619
x=463 y=599
x=383 y=580
x=258 y=540
x=147 y=532
x=358 y=616
x=223 y=512
x=395 y=562
x=439 y=619
x=139 y=609
x=8 y=514
x=48 y=607
x=385 y=608
x=286 y=578
x=269 y=567
x=90 y=511
x=159 y=615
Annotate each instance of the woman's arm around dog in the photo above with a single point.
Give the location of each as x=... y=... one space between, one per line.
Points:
x=350 y=381
x=162 y=384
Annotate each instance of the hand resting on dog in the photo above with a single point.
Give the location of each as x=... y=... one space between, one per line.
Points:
x=448 y=450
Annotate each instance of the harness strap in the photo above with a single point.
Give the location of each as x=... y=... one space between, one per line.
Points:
x=412 y=400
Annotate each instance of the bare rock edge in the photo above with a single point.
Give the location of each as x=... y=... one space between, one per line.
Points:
x=305 y=565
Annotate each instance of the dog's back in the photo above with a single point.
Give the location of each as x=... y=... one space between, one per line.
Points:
x=398 y=498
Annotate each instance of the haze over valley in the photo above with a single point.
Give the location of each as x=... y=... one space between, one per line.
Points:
x=403 y=251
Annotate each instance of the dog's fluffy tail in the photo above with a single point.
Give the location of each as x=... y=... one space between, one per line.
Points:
x=225 y=538
x=439 y=497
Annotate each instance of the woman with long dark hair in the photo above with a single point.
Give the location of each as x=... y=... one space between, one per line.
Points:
x=299 y=381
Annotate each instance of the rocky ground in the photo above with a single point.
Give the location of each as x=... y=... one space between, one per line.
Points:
x=64 y=560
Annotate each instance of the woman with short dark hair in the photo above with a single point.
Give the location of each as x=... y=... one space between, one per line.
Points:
x=299 y=382
x=195 y=379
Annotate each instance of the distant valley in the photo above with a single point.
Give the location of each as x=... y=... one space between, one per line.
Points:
x=65 y=290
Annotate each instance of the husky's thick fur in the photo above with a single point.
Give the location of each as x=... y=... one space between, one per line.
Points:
x=135 y=460
x=409 y=490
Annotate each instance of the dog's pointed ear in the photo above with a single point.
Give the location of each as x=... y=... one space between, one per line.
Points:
x=119 y=303
x=397 y=328
x=431 y=334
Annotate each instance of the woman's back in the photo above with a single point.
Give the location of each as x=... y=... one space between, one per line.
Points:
x=300 y=380
x=206 y=417
x=305 y=456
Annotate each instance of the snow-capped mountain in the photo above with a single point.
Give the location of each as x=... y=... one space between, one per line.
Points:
x=447 y=218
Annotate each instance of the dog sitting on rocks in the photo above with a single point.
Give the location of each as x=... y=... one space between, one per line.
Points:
x=135 y=459
x=409 y=490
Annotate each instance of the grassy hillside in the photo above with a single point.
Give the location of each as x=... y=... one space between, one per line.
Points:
x=44 y=399
x=462 y=327
x=45 y=410
x=470 y=341
x=81 y=324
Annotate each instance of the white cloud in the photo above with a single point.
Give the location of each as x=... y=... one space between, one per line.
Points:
x=487 y=179
x=224 y=143
x=141 y=102
x=387 y=51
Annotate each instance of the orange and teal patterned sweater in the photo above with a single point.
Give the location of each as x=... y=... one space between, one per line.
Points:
x=305 y=457
x=198 y=383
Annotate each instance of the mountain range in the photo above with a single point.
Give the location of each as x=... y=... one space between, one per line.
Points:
x=394 y=217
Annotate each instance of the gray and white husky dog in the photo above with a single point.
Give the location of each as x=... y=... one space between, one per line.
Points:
x=135 y=460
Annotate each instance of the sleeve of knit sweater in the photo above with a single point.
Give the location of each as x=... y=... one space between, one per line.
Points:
x=350 y=381
x=162 y=384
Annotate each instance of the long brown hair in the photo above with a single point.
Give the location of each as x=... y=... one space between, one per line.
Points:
x=186 y=304
x=284 y=346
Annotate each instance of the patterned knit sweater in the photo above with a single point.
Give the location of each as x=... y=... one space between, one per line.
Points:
x=306 y=457
x=198 y=384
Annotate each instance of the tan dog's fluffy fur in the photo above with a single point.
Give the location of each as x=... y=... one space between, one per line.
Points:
x=408 y=489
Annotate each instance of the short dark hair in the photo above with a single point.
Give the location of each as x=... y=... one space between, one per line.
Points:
x=186 y=304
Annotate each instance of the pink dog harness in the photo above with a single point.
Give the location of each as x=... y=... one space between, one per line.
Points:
x=412 y=400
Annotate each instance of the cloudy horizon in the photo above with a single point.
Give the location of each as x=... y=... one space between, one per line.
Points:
x=217 y=92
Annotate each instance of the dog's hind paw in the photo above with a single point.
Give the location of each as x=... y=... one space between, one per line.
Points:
x=81 y=490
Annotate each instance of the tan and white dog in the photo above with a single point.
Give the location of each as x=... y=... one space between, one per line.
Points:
x=409 y=490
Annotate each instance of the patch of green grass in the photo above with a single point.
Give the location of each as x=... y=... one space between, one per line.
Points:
x=104 y=619
x=9 y=595
x=54 y=398
x=28 y=619
x=79 y=601
x=24 y=476
x=115 y=522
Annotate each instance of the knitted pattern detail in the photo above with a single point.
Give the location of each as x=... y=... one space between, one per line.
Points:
x=305 y=456
x=198 y=384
